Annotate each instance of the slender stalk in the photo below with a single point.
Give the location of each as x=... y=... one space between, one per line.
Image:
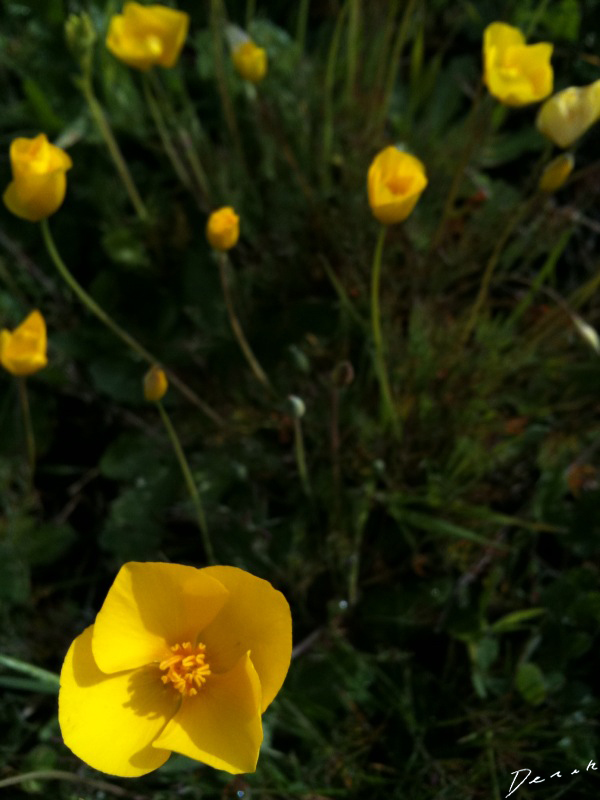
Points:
x=486 y=280
x=190 y=483
x=389 y=412
x=300 y=454
x=394 y=60
x=61 y=775
x=236 y=327
x=301 y=24
x=134 y=345
x=99 y=116
x=222 y=86
x=382 y=59
x=28 y=427
x=328 y=96
x=250 y=11
x=345 y=301
x=352 y=46
x=165 y=136
x=472 y=137
x=37 y=673
x=185 y=139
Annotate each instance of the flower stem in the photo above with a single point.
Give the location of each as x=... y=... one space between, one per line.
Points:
x=389 y=413
x=189 y=480
x=328 y=97
x=113 y=148
x=394 y=62
x=303 y=7
x=27 y=425
x=352 y=46
x=236 y=327
x=61 y=775
x=300 y=454
x=99 y=312
x=165 y=136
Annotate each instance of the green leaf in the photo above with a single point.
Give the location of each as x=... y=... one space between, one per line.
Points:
x=530 y=684
x=515 y=620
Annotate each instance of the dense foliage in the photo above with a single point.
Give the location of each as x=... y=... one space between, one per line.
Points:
x=443 y=574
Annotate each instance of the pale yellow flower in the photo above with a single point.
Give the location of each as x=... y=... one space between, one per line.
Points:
x=568 y=114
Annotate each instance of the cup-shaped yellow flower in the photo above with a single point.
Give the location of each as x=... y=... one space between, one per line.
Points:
x=39 y=182
x=23 y=351
x=515 y=73
x=395 y=182
x=147 y=36
x=568 y=114
x=223 y=228
x=179 y=659
x=155 y=384
x=250 y=61
x=556 y=173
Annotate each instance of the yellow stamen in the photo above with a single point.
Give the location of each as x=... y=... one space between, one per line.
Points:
x=186 y=669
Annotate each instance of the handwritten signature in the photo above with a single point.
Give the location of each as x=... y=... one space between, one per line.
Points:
x=538 y=779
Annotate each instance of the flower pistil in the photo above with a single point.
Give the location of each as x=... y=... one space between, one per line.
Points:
x=186 y=669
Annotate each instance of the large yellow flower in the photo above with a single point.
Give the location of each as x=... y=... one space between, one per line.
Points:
x=147 y=36
x=568 y=114
x=23 y=351
x=395 y=183
x=515 y=73
x=39 y=182
x=178 y=659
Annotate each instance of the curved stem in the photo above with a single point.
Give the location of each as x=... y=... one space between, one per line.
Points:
x=113 y=148
x=236 y=327
x=62 y=775
x=28 y=426
x=190 y=483
x=99 y=312
x=301 y=456
x=389 y=413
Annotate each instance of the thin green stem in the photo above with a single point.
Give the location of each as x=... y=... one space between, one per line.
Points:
x=394 y=61
x=61 y=775
x=216 y=14
x=134 y=345
x=99 y=116
x=472 y=138
x=328 y=96
x=28 y=427
x=165 y=136
x=236 y=327
x=185 y=139
x=486 y=280
x=37 y=673
x=352 y=47
x=301 y=25
x=345 y=301
x=250 y=11
x=389 y=412
x=300 y=454
x=190 y=483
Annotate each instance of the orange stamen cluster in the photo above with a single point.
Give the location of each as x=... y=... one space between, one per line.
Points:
x=186 y=668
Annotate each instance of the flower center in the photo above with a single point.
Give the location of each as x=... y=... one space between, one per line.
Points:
x=399 y=184
x=186 y=669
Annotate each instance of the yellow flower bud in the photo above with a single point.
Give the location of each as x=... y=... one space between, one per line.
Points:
x=147 y=36
x=23 y=351
x=39 y=182
x=568 y=114
x=556 y=173
x=223 y=229
x=515 y=73
x=395 y=183
x=155 y=384
x=250 y=61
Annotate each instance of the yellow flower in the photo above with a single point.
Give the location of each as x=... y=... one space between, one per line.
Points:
x=39 y=182
x=568 y=114
x=178 y=659
x=147 y=36
x=23 y=351
x=515 y=73
x=556 y=173
x=223 y=228
x=155 y=384
x=395 y=183
x=250 y=61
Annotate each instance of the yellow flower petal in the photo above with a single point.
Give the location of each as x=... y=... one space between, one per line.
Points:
x=223 y=228
x=145 y=36
x=110 y=721
x=568 y=114
x=256 y=618
x=250 y=61
x=23 y=351
x=150 y=607
x=221 y=725
x=395 y=182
